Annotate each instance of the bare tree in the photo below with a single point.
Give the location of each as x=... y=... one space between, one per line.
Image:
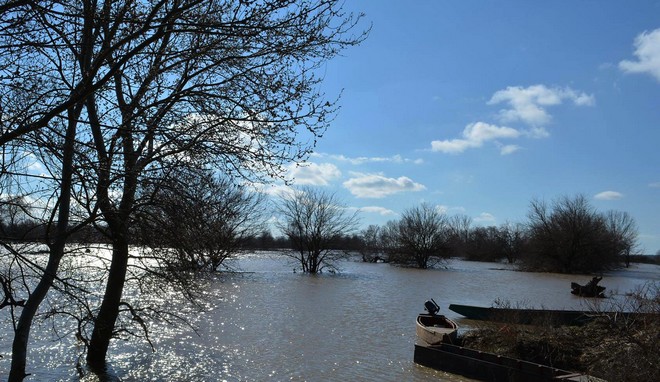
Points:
x=485 y=244
x=460 y=227
x=371 y=250
x=139 y=86
x=52 y=58
x=496 y=243
x=311 y=219
x=55 y=237
x=203 y=218
x=423 y=234
x=230 y=84
x=623 y=234
x=574 y=237
x=388 y=238
x=513 y=238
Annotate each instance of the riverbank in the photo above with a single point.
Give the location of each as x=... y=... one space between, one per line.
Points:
x=610 y=347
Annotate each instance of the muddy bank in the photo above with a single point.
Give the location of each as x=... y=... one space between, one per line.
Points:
x=608 y=348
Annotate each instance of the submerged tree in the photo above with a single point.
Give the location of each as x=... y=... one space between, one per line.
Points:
x=202 y=218
x=460 y=228
x=573 y=237
x=623 y=234
x=231 y=85
x=423 y=236
x=56 y=216
x=371 y=249
x=513 y=239
x=51 y=60
x=142 y=86
x=484 y=244
x=388 y=240
x=311 y=219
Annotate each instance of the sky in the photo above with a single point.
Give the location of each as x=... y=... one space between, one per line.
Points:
x=480 y=107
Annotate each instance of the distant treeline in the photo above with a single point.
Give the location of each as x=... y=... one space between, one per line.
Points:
x=645 y=259
x=490 y=243
x=568 y=236
x=266 y=241
x=30 y=231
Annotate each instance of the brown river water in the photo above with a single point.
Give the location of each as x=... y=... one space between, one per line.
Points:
x=271 y=324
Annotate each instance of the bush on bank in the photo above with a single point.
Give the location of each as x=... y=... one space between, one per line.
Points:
x=610 y=347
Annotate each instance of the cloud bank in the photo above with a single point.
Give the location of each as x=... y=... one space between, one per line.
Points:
x=474 y=135
x=313 y=174
x=526 y=105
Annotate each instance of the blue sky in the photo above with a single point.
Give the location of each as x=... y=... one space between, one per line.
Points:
x=479 y=107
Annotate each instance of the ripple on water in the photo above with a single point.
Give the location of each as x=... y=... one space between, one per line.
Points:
x=275 y=325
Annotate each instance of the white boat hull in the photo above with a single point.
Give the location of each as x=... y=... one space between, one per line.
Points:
x=435 y=329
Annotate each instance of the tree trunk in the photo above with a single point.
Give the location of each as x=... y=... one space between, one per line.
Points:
x=22 y=333
x=107 y=316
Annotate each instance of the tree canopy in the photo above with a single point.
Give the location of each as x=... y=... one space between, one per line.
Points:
x=107 y=94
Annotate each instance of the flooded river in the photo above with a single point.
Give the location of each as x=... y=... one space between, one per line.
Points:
x=271 y=324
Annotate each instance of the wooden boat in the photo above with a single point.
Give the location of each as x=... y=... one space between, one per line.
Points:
x=541 y=316
x=488 y=366
x=524 y=316
x=433 y=329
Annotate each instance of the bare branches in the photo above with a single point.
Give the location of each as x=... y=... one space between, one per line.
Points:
x=8 y=299
x=312 y=219
x=109 y=95
x=202 y=218
x=423 y=235
x=574 y=237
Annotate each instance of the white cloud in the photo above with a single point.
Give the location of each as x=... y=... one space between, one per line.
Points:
x=474 y=135
x=537 y=132
x=276 y=190
x=377 y=210
x=480 y=132
x=361 y=160
x=654 y=185
x=379 y=186
x=608 y=195
x=443 y=209
x=453 y=146
x=313 y=174
x=509 y=149
x=647 y=51
x=485 y=217
x=529 y=104
x=34 y=165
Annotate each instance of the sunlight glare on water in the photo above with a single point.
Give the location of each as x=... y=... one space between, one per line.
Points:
x=269 y=323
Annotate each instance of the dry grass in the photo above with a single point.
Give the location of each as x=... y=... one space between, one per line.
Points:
x=611 y=347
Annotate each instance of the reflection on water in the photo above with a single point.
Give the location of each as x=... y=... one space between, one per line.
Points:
x=272 y=324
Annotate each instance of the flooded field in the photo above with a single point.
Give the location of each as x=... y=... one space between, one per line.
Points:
x=269 y=323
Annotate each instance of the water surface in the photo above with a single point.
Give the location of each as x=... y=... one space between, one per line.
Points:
x=269 y=323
